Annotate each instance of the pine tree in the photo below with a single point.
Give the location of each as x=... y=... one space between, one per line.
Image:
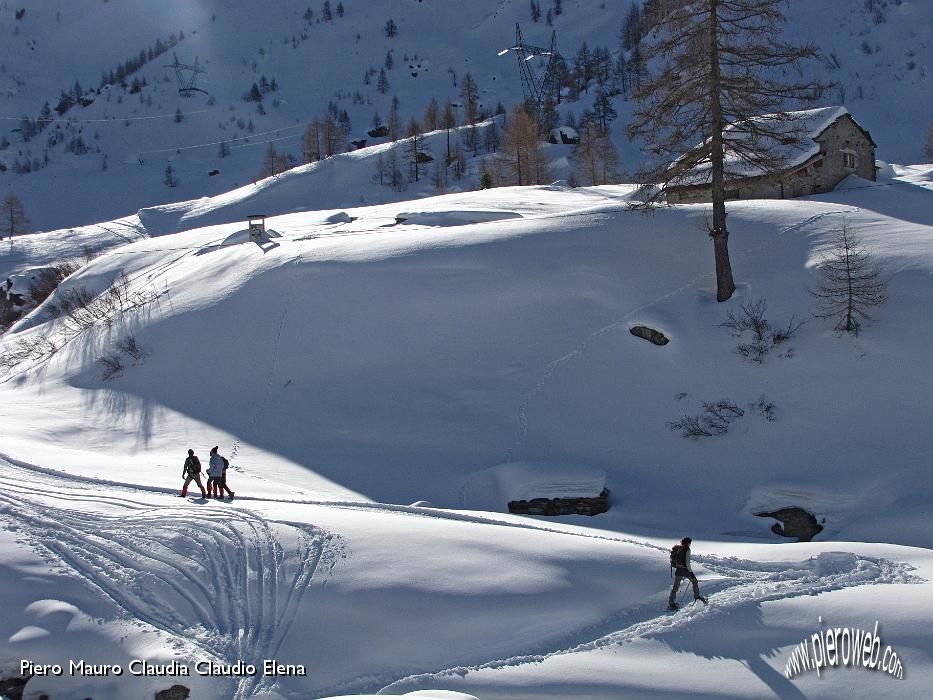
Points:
x=391 y=28
x=595 y=160
x=270 y=162
x=603 y=111
x=717 y=61
x=395 y=121
x=928 y=147
x=521 y=159
x=413 y=148
x=851 y=282
x=326 y=12
x=448 y=122
x=178 y=115
x=311 y=142
x=382 y=84
x=430 y=115
x=13 y=219
x=170 y=178
x=470 y=94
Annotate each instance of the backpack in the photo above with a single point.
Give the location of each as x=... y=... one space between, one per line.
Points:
x=193 y=466
x=678 y=557
x=226 y=463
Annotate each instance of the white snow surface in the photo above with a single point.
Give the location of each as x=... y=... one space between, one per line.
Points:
x=352 y=364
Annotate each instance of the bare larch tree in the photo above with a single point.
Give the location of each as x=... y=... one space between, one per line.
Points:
x=13 y=219
x=715 y=63
x=851 y=282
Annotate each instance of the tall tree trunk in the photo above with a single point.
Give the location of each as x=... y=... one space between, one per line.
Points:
x=725 y=286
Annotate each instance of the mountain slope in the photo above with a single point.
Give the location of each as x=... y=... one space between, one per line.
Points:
x=882 y=69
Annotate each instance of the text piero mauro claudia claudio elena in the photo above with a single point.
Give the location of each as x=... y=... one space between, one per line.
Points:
x=140 y=667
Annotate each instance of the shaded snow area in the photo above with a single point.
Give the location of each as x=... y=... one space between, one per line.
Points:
x=346 y=364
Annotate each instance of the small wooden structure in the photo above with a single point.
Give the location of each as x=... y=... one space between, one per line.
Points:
x=257 y=226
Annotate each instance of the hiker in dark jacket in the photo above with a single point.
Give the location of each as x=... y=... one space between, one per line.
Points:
x=680 y=563
x=192 y=472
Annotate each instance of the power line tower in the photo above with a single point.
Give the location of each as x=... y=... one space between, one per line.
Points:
x=187 y=76
x=537 y=90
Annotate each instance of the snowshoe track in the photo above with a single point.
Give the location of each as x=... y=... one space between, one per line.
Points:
x=744 y=583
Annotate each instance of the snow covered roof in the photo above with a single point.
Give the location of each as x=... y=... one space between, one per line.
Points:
x=790 y=139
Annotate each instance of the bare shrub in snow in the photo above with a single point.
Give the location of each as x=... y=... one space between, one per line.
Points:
x=48 y=280
x=764 y=337
x=766 y=408
x=714 y=420
x=111 y=364
x=131 y=347
x=80 y=309
x=34 y=347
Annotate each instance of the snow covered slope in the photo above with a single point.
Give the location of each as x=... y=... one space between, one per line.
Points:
x=399 y=362
x=349 y=364
x=370 y=598
x=880 y=60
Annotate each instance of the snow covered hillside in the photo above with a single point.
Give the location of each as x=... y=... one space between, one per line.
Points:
x=354 y=356
x=454 y=352
x=106 y=156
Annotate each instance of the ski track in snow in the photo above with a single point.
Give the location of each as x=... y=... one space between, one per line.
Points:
x=745 y=584
x=218 y=582
x=223 y=582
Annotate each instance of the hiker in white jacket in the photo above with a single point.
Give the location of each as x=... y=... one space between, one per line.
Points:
x=217 y=473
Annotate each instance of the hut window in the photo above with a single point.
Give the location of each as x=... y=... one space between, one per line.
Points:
x=848 y=159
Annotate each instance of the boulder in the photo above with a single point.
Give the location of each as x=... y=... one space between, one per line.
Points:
x=176 y=692
x=794 y=522
x=649 y=334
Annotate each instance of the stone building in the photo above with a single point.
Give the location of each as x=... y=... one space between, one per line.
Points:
x=823 y=146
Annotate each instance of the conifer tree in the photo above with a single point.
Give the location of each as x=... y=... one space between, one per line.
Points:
x=430 y=115
x=851 y=282
x=715 y=62
x=13 y=219
x=448 y=122
x=521 y=159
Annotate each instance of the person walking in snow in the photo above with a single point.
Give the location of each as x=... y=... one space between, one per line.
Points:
x=680 y=568
x=217 y=471
x=192 y=472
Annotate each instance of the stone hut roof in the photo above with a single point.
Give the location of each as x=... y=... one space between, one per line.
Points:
x=792 y=140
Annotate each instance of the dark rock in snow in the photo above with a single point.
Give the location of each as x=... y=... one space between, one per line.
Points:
x=649 y=334
x=562 y=506
x=12 y=688
x=176 y=692
x=796 y=523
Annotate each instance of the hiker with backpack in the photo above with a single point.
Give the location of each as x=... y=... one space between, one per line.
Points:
x=680 y=569
x=218 y=475
x=192 y=472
